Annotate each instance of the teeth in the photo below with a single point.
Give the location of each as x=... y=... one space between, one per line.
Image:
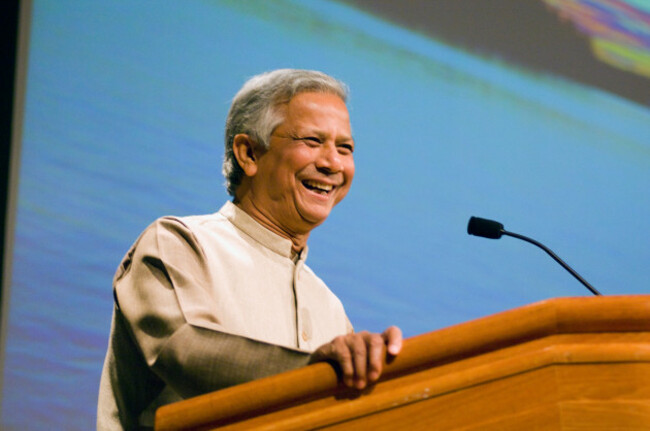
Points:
x=317 y=185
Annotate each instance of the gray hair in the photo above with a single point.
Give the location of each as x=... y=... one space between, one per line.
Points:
x=254 y=110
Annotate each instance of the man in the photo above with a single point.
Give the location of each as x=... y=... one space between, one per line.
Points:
x=206 y=302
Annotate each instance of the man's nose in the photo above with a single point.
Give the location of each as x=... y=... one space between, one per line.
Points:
x=329 y=158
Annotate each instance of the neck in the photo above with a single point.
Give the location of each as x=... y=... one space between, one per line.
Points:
x=298 y=240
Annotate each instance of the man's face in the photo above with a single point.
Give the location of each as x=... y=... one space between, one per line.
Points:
x=309 y=166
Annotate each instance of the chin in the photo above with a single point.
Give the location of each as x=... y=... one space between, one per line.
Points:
x=314 y=218
x=312 y=212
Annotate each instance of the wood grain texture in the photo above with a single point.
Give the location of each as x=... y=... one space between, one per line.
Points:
x=526 y=367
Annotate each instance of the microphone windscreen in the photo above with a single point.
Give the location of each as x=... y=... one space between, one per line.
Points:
x=485 y=228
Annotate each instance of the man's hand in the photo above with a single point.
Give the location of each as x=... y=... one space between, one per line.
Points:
x=360 y=355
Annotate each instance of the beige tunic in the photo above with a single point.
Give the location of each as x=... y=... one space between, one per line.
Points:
x=206 y=302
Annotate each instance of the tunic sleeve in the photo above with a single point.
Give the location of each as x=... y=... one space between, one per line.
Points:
x=190 y=359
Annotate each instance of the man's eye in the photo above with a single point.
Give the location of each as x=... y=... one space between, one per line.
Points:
x=312 y=139
x=346 y=148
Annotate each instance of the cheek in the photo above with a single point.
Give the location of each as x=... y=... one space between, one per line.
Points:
x=348 y=170
x=348 y=173
x=285 y=168
x=298 y=160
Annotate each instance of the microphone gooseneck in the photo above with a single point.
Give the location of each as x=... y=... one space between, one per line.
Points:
x=494 y=230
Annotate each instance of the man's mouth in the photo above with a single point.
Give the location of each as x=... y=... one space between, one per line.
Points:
x=318 y=187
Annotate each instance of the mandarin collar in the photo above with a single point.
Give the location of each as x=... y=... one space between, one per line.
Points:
x=247 y=224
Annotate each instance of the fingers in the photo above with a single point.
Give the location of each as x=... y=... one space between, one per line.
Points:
x=343 y=354
x=393 y=338
x=351 y=354
x=375 y=357
x=360 y=356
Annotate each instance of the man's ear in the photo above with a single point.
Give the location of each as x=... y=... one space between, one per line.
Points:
x=243 y=147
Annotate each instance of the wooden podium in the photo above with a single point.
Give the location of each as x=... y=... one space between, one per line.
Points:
x=561 y=364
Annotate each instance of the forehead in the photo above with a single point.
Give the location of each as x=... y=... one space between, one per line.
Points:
x=315 y=109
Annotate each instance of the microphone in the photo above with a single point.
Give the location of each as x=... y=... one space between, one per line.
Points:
x=494 y=230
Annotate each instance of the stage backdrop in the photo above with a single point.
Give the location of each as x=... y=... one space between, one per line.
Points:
x=123 y=122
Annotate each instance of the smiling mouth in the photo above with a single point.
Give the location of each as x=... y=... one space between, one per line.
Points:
x=318 y=187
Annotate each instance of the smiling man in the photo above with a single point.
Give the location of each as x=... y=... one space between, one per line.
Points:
x=206 y=302
x=292 y=186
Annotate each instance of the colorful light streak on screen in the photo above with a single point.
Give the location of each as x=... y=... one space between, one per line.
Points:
x=619 y=31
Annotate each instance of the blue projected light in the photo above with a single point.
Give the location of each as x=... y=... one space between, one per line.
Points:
x=123 y=123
